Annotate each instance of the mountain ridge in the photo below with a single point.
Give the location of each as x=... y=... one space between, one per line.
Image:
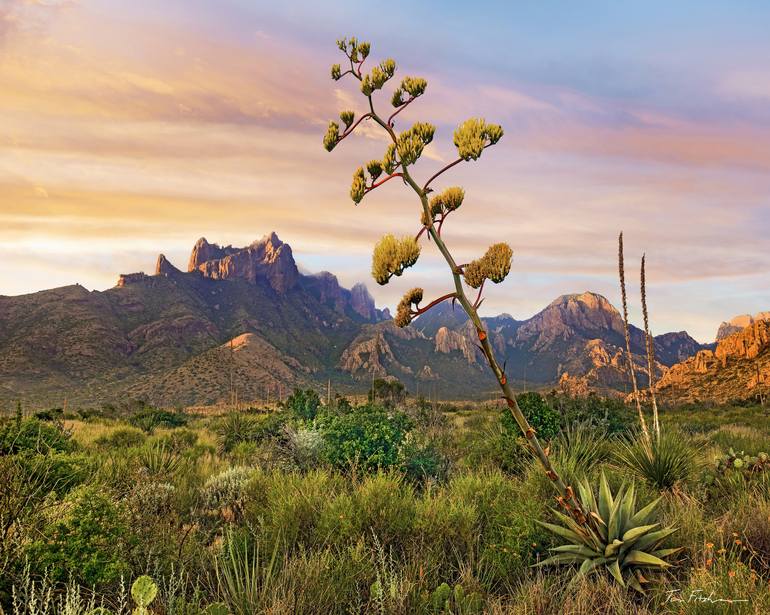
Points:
x=164 y=337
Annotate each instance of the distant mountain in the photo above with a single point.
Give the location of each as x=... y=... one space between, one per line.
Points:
x=246 y=321
x=577 y=342
x=738 y=323
x=738 y=368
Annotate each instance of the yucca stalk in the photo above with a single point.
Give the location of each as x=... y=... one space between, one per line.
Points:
x=393 y=255
x=629 y=356
x=649 y=343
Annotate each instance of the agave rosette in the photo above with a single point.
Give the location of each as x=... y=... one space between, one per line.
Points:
x=620 y=539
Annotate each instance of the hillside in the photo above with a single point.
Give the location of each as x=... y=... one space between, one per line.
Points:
x=738 y=368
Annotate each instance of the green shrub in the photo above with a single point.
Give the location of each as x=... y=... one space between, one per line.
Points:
x=87 y=543
x=608 y=413
x=303 y=403
x=367 y=437
x=421 y=460
x=544 y=419
x=125 y=437
x=149 y=419
x=34 y=436
x=381 y=506
x=237 y=427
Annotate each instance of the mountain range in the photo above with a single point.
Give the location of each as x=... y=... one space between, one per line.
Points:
x=246 y=322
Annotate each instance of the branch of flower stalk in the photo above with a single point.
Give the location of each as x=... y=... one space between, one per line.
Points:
x=478 y=301
x=434 y=303
x=426 y=189
x=382 y=181
x=399 y=110
x=422 y=230
x=350 y=130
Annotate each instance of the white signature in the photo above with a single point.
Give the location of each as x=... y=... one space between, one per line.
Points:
x=699 y=595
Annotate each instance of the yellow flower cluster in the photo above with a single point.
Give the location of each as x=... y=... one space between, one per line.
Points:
x=392 y=256
x=444 y=202
x=404 y=311
x=473 y=135
x=414 y=86
x=494 y=265
x=411 y=142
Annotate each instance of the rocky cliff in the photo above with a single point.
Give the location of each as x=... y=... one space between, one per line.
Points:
x=738 y=323
x=738 y=368
x=268 y=259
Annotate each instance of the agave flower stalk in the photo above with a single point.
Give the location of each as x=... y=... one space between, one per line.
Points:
x=649 y=343
x=392 y=256
x=629 y=356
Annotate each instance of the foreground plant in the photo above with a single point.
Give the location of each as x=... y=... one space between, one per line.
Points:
x=623 y=542
x=393 y=255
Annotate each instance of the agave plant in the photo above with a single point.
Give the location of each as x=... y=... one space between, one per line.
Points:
x=619 y=538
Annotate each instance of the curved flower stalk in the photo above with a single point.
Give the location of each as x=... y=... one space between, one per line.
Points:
x=392 y=256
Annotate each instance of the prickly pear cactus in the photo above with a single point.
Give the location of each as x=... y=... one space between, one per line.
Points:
x=447 y=600
x=143 y=591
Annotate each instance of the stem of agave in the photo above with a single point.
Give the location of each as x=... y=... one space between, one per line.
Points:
x=567 y=499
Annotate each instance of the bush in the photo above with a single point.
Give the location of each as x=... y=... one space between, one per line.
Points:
x=125 y=437
x=367 y=437
x=149 y=419
x=607 y=413
x=35 y=436
x=381 y=506
x=544 y=419
x=224 y=494
x=303 y=404
x=420 y=459
x=237 y=427
x=87 y=543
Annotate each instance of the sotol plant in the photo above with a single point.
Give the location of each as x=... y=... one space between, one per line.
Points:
x=623 y=541
x=393 y=255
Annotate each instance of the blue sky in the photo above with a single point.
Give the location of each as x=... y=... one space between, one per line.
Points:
x=132 y=129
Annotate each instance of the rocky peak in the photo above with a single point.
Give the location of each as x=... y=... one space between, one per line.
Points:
x=362 y=302
x=585 y=312
x=266 y=259
x=164 y=267
x=204 y=251
x=739 y=322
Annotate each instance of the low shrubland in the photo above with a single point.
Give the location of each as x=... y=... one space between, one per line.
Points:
x=397 y=508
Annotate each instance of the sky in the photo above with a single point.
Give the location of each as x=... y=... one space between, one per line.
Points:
x=131 y=129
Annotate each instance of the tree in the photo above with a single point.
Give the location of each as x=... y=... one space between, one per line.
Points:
x=392 y=255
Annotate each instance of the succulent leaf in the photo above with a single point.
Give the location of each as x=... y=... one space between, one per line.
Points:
x=615 y=540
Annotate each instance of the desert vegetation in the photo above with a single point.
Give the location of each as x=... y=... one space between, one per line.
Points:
x=365 y=507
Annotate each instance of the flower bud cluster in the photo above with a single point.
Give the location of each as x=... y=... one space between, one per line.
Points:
x=392 y=256
x=404 y=311
x=473 y=135
x=378 y=77
x=414 y=86
x=412 y=142
x=441 y=204
x=494 y=265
